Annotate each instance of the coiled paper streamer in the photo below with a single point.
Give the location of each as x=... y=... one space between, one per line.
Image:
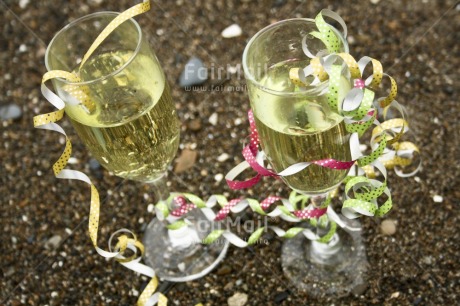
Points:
x=48 y=121
x=289 y=210
x=357 y=108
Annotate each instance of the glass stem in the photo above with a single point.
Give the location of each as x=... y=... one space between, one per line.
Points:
x=161 y=191
x=182 y=238
x=317 y=200
x=323 y=253
x=160 y=188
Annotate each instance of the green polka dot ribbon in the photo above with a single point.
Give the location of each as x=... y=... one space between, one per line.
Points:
x=364 y=194
x=326 y=34
x=286 y=211
x=334 y=86
x=364 y=198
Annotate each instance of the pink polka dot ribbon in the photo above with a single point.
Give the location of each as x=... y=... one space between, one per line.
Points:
x=308 y=213
x=237 y=185
x=334 y=164
x=265 y=204
x=359 y=83
x=222 y=214
x=250 y=153
x=184 y=207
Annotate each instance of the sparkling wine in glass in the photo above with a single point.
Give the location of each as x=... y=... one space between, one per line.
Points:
x=128 y=122
x=299 y=126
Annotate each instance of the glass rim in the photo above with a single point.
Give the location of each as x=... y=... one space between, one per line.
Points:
x=84 y=18
x=310 y=90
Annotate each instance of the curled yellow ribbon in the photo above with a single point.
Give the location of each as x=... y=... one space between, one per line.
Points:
x=47 y=121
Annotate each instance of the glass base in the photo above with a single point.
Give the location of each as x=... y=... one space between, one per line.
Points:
x=337 y=268
x=178 y=256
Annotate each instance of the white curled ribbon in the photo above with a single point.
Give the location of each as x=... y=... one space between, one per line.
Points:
x=76 y=95
x=284 y=211
x=325 y=33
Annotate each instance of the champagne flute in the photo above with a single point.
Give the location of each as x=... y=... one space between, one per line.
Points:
x=129 y=124
x=299 y=126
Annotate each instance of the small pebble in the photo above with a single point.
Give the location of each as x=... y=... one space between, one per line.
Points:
x=23 y=3
x=223 y=157
x=185 y=161
x=359 y=289
x=72 y=161
x=278 y=3
x=224 y=270
x=150 y=208
x=229 y=286
x=53 y=242
x=194 y=73
x=218 y=177
x=388 y=227
x=195 y=125
x=41 y=51
x=281 y=296
x=427 y=260
x=9 y=271
x=213 y=119
x=232 y=31
x=417 y=301
x=238 y=299
x=351 y=40
x=10 y=112
x=94 y=164
x=214 y=292
x=437 y=199
x=425 y=276
x=448 y=90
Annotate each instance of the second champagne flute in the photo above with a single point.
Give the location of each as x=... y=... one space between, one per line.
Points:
x=297 y=125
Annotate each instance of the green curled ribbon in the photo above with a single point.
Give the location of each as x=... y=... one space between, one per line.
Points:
x=326 y=34
x=285 y=211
